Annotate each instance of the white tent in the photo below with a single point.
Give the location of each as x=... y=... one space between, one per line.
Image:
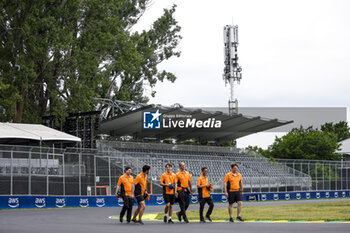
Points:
x=345 y=147
x=13 y=131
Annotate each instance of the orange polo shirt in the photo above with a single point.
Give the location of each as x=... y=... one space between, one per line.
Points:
x=183 y=179
x=234 y=180
x=126 y=184
x=140 y=184
x=168 y=178
x=203 y=192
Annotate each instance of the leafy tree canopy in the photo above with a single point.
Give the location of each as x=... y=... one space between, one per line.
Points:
x=58 y=56
x=310 y=143
x=341 y=129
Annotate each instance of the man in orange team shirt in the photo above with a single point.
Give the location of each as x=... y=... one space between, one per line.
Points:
x=204 y=189
x=234 y=191
x=140 y=191
x=168 y=180
x=184 y=189
x=125 y=190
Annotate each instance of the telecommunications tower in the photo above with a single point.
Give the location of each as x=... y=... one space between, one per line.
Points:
x=232 y=70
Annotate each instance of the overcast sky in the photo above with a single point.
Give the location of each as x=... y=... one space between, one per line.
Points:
x=293 y=54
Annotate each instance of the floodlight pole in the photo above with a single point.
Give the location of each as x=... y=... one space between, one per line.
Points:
x=232 y=70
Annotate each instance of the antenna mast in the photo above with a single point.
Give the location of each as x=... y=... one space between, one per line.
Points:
x=232 y=70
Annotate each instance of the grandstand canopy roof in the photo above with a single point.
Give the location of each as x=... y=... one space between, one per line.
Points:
x=13 y=132
x=232 y=127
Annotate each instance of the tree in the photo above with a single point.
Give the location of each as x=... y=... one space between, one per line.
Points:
x=58 y=56
x=300 y=143
x=341 y=129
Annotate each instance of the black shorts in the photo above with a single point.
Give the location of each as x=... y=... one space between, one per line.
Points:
x=169 y=198
x=234 y=197
x=140 y=199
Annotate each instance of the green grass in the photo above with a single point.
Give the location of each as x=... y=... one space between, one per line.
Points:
x=332 y=211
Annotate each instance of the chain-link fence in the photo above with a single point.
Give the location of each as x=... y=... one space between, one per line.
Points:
x=72 y=171
x=325 y=175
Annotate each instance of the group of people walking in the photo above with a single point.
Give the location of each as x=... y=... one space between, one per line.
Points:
x=177 y=188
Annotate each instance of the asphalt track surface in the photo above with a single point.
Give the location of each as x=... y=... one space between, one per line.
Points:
x=95 y=220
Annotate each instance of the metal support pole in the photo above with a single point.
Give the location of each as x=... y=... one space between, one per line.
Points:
x=300 y=177
x=95 y=172
x=316 y=174
x=277 y=182
x=11 y=170
x=30 y=173
x=336 y=176
x=341 y=178
x=323 y=174
x=251 y=185
x=347 y=179
x=260 y=183
x=109 y=175
x=151 y=174
x=308 y=172
x=47 y=173
x=293 y=175
x=123 y=165
x=286 y=181
x=64 y=176
x=301 y=170
x=222 y=169
x=79 y=170
x=329 y=177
